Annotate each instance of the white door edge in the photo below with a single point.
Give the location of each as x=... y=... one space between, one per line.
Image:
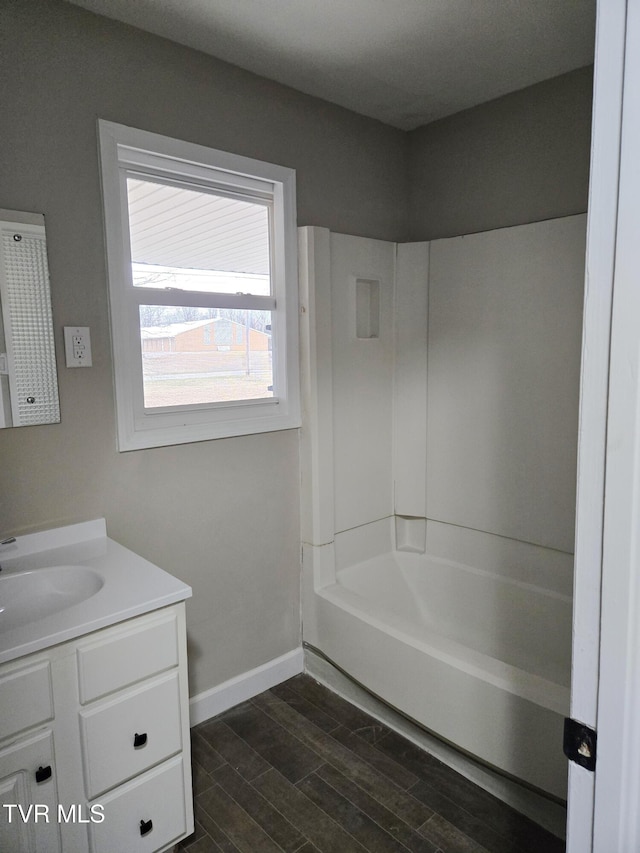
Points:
x=617 y=784
x=599 y=276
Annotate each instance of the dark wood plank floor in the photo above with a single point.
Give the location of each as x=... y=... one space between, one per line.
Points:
x=297 y=769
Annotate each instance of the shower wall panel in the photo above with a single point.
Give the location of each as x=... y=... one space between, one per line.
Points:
x=410 y=381
x=362 y=378
x=505 y=324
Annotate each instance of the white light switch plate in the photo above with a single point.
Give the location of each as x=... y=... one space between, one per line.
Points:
x=77 y=346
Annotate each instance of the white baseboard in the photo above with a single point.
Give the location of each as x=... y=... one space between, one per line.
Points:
x=213 y=702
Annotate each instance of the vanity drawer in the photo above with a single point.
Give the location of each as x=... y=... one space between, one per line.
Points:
x=156 y=800
x=148 y=715
x=126 y=654
x=27 y=699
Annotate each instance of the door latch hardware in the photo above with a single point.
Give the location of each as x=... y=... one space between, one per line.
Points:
x=579 y=743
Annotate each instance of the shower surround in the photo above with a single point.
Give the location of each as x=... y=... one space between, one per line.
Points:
x=440 y=389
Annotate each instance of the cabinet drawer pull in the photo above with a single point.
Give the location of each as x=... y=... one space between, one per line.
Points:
x=145 y=826
x=139 y=740
x=43 y=773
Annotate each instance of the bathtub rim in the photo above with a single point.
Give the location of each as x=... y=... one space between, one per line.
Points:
x=529 y=686
x=510 y=559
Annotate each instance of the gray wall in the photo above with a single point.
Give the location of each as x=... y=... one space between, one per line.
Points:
x=518 y=159
x=222 y=515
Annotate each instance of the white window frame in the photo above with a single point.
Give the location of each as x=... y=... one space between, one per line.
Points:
x=125 y=150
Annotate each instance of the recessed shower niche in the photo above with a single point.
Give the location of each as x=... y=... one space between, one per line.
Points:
x=367 y=308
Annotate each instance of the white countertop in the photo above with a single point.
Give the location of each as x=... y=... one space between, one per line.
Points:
x=132 y=585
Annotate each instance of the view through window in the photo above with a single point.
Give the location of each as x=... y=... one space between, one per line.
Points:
x=201 y=350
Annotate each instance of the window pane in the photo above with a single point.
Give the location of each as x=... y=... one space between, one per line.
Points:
x=190 y=357
x=194 y=240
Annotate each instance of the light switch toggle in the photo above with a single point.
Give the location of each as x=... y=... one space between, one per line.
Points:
x=77 y=346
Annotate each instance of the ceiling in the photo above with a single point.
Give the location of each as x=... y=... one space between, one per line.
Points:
x=404 y=62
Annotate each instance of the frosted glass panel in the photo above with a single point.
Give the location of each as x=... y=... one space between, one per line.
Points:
x=28 y=379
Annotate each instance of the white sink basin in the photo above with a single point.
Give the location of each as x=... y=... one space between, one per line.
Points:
x=31 y=595
x=56 y=585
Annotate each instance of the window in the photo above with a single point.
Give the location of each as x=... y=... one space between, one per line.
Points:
x=201 y=251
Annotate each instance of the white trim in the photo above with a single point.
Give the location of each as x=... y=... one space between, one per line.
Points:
x=213 y=702
x=317 y=510
x=616 y=817
x=120 y=147
x=601 y=235
x=190 y=153
x=601 y=230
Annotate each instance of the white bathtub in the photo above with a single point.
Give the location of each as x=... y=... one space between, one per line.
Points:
x=478 y=658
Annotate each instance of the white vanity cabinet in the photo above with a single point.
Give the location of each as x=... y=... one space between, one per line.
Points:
x=26 y=779
x=103 y=721
x=26 y=757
